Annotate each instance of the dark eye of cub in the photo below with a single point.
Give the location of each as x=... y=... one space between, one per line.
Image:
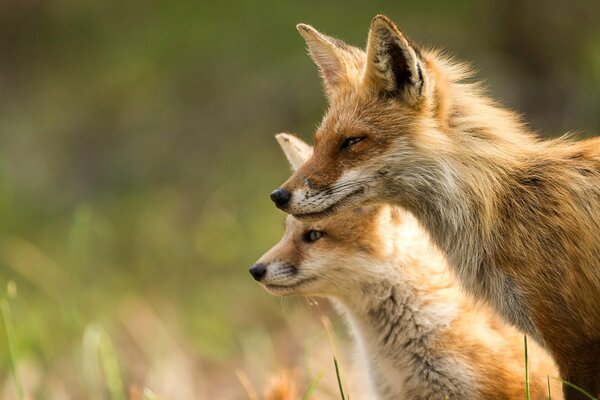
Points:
x=351 y=141
x=312 y=236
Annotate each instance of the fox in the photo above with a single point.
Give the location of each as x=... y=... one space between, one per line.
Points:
x=418 y=336
x=517 y=216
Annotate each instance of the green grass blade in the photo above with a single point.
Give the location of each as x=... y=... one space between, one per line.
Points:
x=89 y=361
x=527 y=394
x=339 y=378
x=312 y=386
x=576 y=388
x=112 y=372
x=98 y=350
x=11 y=338
x=148 y=394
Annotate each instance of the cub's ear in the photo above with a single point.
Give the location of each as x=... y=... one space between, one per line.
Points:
x=329 y=55
x=296 y=150
x=394 y=65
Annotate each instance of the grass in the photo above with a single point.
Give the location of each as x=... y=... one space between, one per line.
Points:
x=110 y=365
x=101 y=366
x=247 y=384
x=147 y=394
x=527 y=392
x=100 y=361
x=312 y=386
x=102 y=372
x=580 y=390
x=11 y=338
x=339 y=378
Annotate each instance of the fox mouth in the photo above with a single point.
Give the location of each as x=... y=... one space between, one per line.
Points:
x=280 y=288
x=316 y=215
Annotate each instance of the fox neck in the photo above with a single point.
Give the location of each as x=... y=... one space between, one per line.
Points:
x=462 y=169
x=395 y=325
x=455 y=191
x=390 y=312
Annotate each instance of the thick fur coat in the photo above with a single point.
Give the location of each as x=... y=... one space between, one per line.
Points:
x=417 y=335
x=517 y=217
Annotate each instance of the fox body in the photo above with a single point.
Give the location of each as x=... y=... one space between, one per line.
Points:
x=417 y=335
x=518 y=218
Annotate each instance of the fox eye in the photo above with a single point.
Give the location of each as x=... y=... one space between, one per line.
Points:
x=351 y=141
x=312 y=236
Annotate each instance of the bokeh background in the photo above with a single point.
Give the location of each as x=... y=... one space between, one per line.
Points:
x=136 y=159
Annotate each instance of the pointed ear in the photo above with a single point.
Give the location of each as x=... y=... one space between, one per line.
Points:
x=394 y=65
x=328 y=53
x=296 y=150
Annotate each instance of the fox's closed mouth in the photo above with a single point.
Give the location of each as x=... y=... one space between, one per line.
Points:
x=291 y=286
x=330 y=209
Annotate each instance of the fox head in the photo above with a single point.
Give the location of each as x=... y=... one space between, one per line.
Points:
x=384 y=111
x=332 y=256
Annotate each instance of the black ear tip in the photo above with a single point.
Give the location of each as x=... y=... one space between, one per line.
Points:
x=382 y=20
x=305 y=29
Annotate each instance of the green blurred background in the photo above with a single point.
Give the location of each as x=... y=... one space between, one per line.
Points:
x=137 y=155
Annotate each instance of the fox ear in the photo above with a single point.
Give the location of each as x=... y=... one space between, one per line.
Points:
x=394 y=65
x=328 y=53
x=296 y=150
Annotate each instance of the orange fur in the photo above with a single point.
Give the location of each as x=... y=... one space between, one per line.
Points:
x=407 y=313
x=492 y=350
x=517 y=217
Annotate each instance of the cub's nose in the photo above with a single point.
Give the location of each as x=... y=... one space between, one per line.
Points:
x=258 y=271
x=280 y=197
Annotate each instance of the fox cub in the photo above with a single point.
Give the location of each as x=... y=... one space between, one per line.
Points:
x=417 y=335
x=518 y=218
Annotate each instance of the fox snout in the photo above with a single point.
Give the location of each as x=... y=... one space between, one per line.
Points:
x=281 y=198
x=309 y=199
x=280 y=277
x=258 y=271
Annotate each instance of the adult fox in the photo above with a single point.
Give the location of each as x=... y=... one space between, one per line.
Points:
x=517 y=217
x=417 y=335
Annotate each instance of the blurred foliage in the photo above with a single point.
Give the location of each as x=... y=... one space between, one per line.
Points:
x=137 y=151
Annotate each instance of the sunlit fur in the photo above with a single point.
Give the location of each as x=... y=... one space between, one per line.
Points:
x=517 y=217
x=417 y=336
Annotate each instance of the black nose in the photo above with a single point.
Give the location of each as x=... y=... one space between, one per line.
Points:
x=258 y=271
x=280 y=197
